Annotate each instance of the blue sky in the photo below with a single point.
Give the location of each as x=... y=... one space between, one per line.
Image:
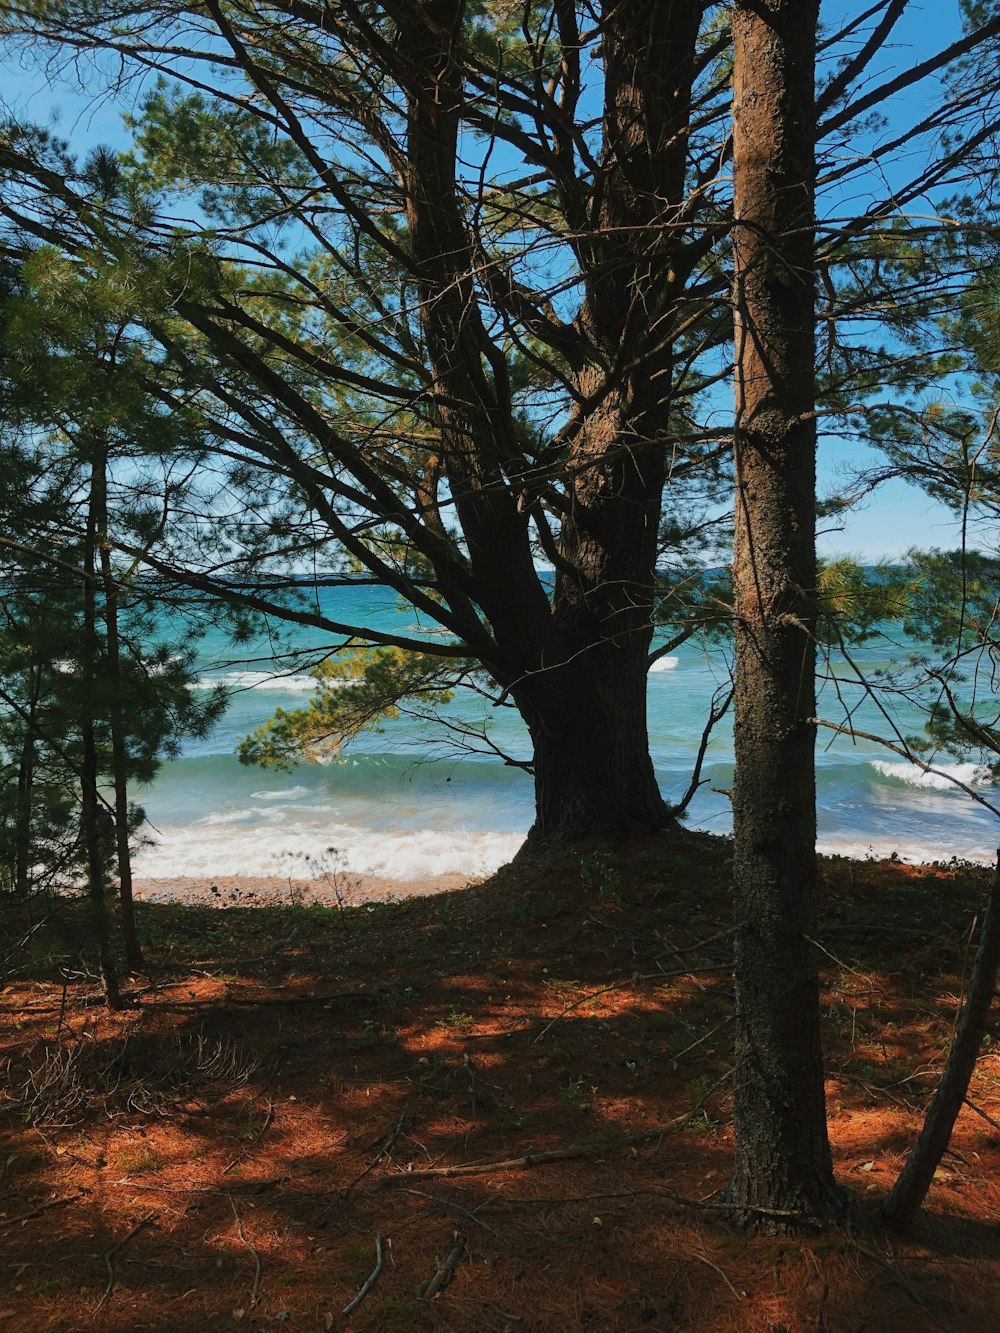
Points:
x=898 y=517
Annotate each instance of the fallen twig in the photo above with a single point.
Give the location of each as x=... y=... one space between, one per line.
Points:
x=251 y=1187
x=370 y=1281
x=445 y=1270
x=245 y=1150
x=116 y=1249
x=243 y=1001
x=584 y=999
x=703 y=1258
x=876 y=1090
x=901 y=1280
x=386 y=1148
x=497 y=1036
x=658 y=1192
x=832 y=956
x=559 y=1200
x=255 y=1289
x=37 y=1212
x=569 y=1153
x=30 y=1008
x=566 y=1154
x=695 y=1044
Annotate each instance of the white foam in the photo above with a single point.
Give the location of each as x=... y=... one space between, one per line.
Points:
x=663 y=664
x=972 y=775
x=885 y=849
x=282 y=794
x=207 y=849
x=224 y=818
x=253 y=680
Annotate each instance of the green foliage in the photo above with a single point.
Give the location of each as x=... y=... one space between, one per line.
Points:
x=262 y=232
x=955 y=608
x=855 y=601
x=357 y=690
x=82 y=648
x=187 y=141
x=599 y=871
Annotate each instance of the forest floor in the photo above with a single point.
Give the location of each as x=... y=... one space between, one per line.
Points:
x=516 y=1095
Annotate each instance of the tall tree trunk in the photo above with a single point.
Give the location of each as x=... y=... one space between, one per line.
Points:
x=22 y=824
x=94 y=816
x=782 y=1153
x=116 y=718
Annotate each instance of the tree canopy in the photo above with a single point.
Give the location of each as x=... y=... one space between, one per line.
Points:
x=448 y=288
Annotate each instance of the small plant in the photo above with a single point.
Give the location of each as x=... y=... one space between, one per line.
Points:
x=599 y=872
x=563 y=986
x=511 y=1118
x=574 y=1093
x=455 y=1021
x=523 y=912
x=328 y=868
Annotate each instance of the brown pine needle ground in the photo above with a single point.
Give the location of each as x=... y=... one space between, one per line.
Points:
x=217 y=1157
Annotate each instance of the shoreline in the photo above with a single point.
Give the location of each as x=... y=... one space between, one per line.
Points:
x=346 y=890
x=351 y=889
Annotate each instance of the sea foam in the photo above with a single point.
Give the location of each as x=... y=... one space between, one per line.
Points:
x=252 y=680
x=884 y=848
x=282 y=794
x=944 y=779
x=205 y=850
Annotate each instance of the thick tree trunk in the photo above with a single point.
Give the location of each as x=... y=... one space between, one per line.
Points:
x=593 y=774
x=97 y=835
x=782 y=1154
x=575 y=664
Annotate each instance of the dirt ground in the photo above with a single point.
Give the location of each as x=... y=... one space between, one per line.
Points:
x=504 y=1108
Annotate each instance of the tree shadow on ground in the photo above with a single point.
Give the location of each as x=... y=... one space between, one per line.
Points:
x=232 y=1148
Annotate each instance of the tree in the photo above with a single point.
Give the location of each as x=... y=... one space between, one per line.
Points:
x=782 y=1154
x=952 y=602
x=38 y=633
x=444 y=345
x=457 y=302
x=458 y=298
x=91 y=690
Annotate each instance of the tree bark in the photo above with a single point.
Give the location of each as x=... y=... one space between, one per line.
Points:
x=25 y=796
x=94 y=816
x=782 y=1152
x=575 y=664
x=593 y=774
x=116 y=718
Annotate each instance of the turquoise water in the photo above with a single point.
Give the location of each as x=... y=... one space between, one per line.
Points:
x=405 y=803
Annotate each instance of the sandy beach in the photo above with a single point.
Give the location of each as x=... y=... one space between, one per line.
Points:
x=346 y=889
